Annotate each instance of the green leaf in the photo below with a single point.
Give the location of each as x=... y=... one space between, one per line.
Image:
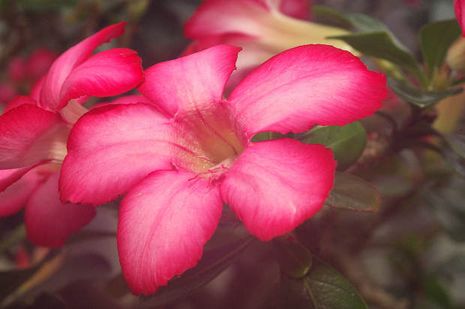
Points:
x=383 y=45
x=353 y=193
x=347 y=142
x=212 y=264
x=330 y=16
x=365 y=23
x=435 y=39
x=294 y=259
x=421 y=98
x=328 y=289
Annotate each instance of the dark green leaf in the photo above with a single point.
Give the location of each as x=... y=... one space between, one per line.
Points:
x=353 y=193
x=347 y=142
x=435 y=39
x=328 y=289
x=294 y=259
x=421 y=98
x=382 y=45
x=212 y=264
x=436 y=292
x=365 y=23
x=330 y=15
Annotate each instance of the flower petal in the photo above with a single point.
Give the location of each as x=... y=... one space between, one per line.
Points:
x=15 y=196
x=50 y=97
x=111 y=148
x=29 y=135
x=294 y=8
x=107 y=73
x=217 y=17
x=274 y=186
x=193 y=82
x=49 y=222
x=163 y=225
x=8 y=177
x=305 y=86
x=18 y=101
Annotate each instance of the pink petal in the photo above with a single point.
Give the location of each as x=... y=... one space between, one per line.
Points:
x=217 y=17
x=105 y=74
x=7 y=92
x=193 y=82
x=274 y=186
x=38 y=63
x=459 y=7
x=49 y=222
x=50 y=97
x=29 y=135
x=17 y=69
x=163 y=225
x=18 y=101
x=8 y=177
x=306 y=86
x=112 y=148
x=294 y=8
x=14 y=198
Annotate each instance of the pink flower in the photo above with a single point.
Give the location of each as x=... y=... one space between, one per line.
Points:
x=25 y=72
x=34 y=130
x=459 y=7
x=262 y=28
x=184 y=150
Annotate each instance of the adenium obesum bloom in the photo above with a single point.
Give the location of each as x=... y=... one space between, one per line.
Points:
x=34 y=130
x=262 y=28
x=183 y=150
x=23 y=72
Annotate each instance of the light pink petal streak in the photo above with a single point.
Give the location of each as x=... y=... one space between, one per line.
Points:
x=112 y=148
x=15 y=196
x=306 y=86
x=193 y=82
x=105 y=74
x=27 y=134
x=50 y=97
x=274 y=186
x=164 y=224
x=49 y=222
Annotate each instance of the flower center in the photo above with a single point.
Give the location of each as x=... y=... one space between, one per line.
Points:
x=211 y=140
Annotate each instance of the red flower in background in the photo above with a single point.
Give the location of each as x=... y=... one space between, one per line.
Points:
x=34 y=130
x=23 y=73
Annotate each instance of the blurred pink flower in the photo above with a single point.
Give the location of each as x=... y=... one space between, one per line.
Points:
x=262 y=28
x=183 y=149
x=25 y=72
x=34 y=130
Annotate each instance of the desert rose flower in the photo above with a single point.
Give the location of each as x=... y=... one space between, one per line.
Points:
x=187 y=150
x=33 y=133
x=262 y=28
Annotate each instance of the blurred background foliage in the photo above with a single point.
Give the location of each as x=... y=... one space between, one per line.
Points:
x=391 y=235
